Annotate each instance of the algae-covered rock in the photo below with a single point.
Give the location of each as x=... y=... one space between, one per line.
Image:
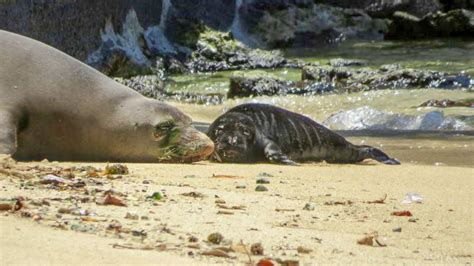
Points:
x=387 y=77
x=259 y=86
x=217 y=51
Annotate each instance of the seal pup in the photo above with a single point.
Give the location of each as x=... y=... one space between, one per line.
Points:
x=56 y=107
x=265 y=133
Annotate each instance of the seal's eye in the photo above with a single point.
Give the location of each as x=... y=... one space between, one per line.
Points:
x=164 y=128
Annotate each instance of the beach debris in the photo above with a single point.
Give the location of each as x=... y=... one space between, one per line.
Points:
x=402 y=213
x=412 y=197
x=284 y=210
x=264 y=174
x=256 y=249
x=219 y=201
x=143 y=247
x=109 y=199
x=190 y=176
x=116 y=169
x=226 y=176
x=237 y=207
x=193 y=239
x=215 y=238
x=131 y=216
x=11 y=205
x=265 y=262
x=263 y=181
x=413 y=220
x=378 y=201
x=193 y=194
x=225 y=212
x=261 y=188
x=217 y=253
x=288 y=262
x=156 y=196
x=371 y=239
x=52 y=179
x=240 y=187
x=345 y=202
x=397 y=229
x=303 y=250
x=309 y=207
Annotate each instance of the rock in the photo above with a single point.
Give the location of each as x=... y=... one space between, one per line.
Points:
x=259 y=86
x=341 y=62
x=150 y=86
x=257 y=249
x=448 y=103
x=116 y=169
x=309 y=207
x=311 y=24
x=131 y=216
x=240 y=187
x=264 y=174
x=397 y=229
x=261 y=188
x=215 y=238
x=217 y=51
x=458 y=22
x=263 y=181
x=387 y=77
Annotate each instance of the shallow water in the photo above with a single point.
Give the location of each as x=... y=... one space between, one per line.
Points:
x=381 y=110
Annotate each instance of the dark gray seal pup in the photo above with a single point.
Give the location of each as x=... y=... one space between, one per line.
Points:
x=265 y=133
x=54 y=106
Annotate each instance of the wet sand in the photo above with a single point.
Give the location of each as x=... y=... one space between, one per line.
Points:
x=339 y=214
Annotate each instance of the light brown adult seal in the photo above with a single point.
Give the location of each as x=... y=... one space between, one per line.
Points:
x=54 y=106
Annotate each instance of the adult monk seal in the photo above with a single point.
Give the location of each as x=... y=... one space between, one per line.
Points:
x=54 y=106
x=260 y=132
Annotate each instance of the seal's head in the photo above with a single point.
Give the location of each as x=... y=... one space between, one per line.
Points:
x=168 y=136
x=234 y=137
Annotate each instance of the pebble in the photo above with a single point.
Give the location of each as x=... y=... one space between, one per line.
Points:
x=189 y=176
x=413 y=220
x=131 y=216
x=263 y=174
x=241 y=187
x=309 y=207
x=397 y=229
x=261 y=188
x=263 y=181
x=215 y=238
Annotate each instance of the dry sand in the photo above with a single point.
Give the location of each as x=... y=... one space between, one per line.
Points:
x=440 y=230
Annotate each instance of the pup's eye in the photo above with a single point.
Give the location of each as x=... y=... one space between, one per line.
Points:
x=163 y=128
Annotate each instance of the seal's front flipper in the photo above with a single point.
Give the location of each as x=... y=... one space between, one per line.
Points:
x=8 y=130
x=380 y=156
x=275 y=155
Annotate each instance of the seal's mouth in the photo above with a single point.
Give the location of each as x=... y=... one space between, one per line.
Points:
x=192 y=146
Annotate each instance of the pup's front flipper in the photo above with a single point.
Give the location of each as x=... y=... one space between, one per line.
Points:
x=275 y=155
x=8 y=130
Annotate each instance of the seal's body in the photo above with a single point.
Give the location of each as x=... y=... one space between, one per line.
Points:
x=261 y=132
x=54 y=106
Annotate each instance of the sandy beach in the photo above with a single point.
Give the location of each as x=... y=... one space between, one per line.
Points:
x=314 y=213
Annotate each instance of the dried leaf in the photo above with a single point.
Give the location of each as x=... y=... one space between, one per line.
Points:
x=402 y=213
x=379 y=201
x=225 y=212
x=331 y=203
x=111 y=200
x=216 y=253
x=303 y=250
x=193 y=194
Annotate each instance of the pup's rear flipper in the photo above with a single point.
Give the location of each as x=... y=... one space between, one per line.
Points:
x=380 y=156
